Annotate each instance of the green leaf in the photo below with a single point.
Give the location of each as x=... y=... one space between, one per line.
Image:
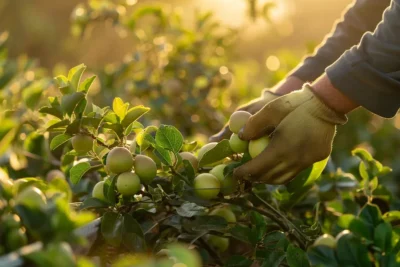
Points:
x=362 y=154
x=274 y=238
x=31 y=95
x=189 y=170
x=189 y=146
x=383 y=237
x=189 y=210
x=371 y=215
x=164 y=155
x=355 y=225
x=219 y=152
x=132 y=226
x=238 y=261
x=350 y=251
x=133 y=114
x=110 y=191
x=78 y=171
x=61 y=185
x=90 y=203
x=54 y=108
x=156 y=193
x=53 y=124
x=85 y=85
x=70 y=101
x=64 y=84
x=209 y=223
x=59 y=140
x=7 y=136
x=111 y=228
x=120 y=108
x=322 y=256
x=168 y=137
x=74 y=76
x=393 y=215
x=296 y=257
x=145 y=140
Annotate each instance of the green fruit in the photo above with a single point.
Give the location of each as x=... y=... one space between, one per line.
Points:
x=145 y=168
x=238 y=145
x=11 y=221
x=98 y=191
x=219 y=243
x=151 y=155
x=16 y=239
x=82 y=143
x=51 y=175
x=325 y=240
x=206 y=186
x=257 y=146
x=31 y=197
x=191 y=158
x=228 y=183
x=119 y=160
x=128 y=183
x=218 y=171
x=237 y=120
x=225 y=213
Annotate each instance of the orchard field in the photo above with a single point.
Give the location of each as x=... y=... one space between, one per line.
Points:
x=107 y=162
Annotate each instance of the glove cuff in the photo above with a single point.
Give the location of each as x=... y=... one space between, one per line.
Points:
x=319 y=109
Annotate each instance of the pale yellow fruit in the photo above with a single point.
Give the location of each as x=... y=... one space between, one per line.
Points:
x=206 y=186
x=51 y=175
x=82 y=143
x=237 y=120
x=145 y=168
x=119 y=160
x=128 y=183
x=191 y=158
x=31 y=197
x=325 y=240
x=219 y=243
x=98 y=191
x=238 y=145
x=226 y=213
x=257 y=146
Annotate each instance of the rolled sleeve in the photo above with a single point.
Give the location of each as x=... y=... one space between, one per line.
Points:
x=358 y=18
x=369 y=73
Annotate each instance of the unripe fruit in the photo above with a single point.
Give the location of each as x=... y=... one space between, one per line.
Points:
x=145 y=168
x=219 y=243
x=218 y=171
x=119 y=160
x=6 y=188
x=31 y=197
x=191 y=158
x=51 y=175
x=257 y=146
x=98 y=191
x=225 y=213
x=237 y=120
x=325 y=240
x=128 y=183
x=228 y=184
x=15 y=239
x=151 y=155
x=206 y=186
x=238 y=145
x=82 y=143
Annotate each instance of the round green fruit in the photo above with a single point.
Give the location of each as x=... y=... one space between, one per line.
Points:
x=325 y=240
x=237 y=120
x=53 y=174
x=153 y=156
x=225 y=213
x=82 y=143
x=191 y=158
x=145 y=168
x=16 y=239
x=228 y=183
x=31 y=197
x=206 y=186
x=119 y=160
x=238 y=145
x=98 y=191
x=219 y=243
x=128 y=183
x=257 y=146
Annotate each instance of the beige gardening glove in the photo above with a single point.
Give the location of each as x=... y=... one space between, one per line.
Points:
x=302 y=129
x=251 y=107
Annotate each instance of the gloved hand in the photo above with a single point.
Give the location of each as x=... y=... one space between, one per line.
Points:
x=302 y=129
x=251 y=107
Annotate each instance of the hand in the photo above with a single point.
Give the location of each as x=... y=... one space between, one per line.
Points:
x=286 y=86
x=302 y=129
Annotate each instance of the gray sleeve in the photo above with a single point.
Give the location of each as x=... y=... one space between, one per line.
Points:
x=359 y=17
x=369 y=73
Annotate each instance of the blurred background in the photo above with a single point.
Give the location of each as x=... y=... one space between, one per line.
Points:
x=192 y=61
